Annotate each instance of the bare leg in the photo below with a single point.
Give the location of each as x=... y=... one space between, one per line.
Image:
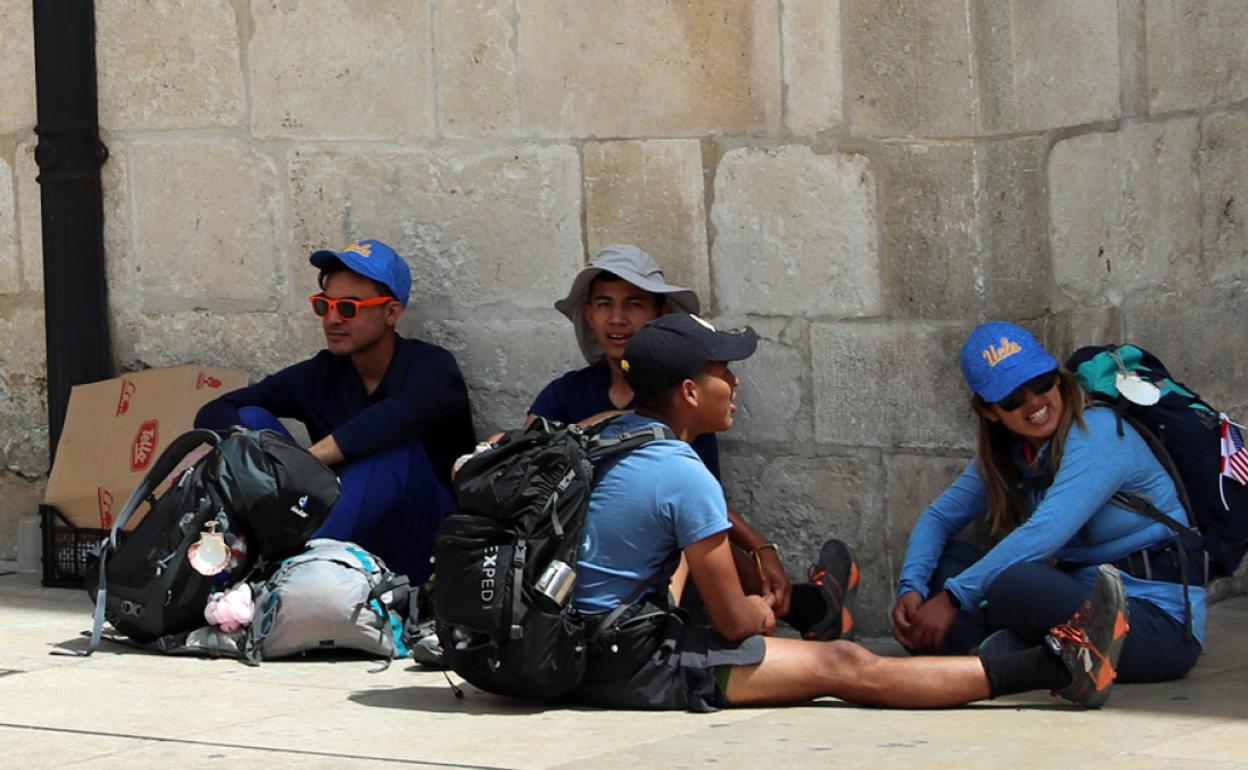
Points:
x=795 y=670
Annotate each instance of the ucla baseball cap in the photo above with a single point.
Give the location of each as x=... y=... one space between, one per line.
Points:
x=371 y=259
x=672 y=348
x=1000 y=356
x=632 y=264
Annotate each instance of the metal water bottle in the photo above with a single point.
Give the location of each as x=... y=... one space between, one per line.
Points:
x=555 y=582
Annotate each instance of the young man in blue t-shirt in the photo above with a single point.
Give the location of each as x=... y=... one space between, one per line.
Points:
x=659 y=500
x=611 y=299
x=390 y=414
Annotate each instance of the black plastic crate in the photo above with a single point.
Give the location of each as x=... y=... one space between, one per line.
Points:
x=66 y=547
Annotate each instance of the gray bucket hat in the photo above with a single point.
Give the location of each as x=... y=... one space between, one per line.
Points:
x=633 y=265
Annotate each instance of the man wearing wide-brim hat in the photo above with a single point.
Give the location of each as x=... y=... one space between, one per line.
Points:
x=611 y=299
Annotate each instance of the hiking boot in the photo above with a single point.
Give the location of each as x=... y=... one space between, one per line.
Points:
x=836 y=577
x=1090 y=642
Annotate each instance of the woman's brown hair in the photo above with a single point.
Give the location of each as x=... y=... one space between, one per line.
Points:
x=1006 y=504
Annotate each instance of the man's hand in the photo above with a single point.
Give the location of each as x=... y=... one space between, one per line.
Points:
x=326 y=450
x=775 y=582
x=903 y=617
x=767 y=615
x=932 y=621
x=764 y=563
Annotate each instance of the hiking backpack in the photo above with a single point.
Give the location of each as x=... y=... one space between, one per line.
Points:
x=505 y=560
x=334 y=595
x=258 y=487
x=1184 y=432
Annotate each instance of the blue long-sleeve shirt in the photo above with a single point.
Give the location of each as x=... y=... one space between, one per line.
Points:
x=421 y=395
x=1073 y=520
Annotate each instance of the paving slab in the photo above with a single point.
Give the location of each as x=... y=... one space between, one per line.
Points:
x=125 y=708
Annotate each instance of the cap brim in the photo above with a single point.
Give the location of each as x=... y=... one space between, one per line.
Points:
x=734 y=346
x=324 y=258
x=680 y=299
x=1007 y=382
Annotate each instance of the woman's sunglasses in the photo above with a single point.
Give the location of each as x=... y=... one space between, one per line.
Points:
x=346 y=308
x=1037 y=385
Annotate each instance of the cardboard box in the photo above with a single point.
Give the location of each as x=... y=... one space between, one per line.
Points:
x=114 y=431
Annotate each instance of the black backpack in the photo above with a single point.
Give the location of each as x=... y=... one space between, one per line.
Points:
x=505 y=559
x=257 y=486
x=1185 y=434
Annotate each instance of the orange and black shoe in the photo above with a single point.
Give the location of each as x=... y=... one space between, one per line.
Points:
x=1091 y=641
x=836 y=577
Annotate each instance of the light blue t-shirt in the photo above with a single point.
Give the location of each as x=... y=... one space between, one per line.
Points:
x=646 y=505
x=1073 y=520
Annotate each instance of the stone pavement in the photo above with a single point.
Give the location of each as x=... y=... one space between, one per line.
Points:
x=121 y=708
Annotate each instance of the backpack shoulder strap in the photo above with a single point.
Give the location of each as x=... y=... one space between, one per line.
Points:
x=602 y=448
x=1167 y=462
x=178 y=449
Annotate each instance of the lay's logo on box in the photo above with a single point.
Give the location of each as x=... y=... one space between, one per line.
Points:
x=144 y=446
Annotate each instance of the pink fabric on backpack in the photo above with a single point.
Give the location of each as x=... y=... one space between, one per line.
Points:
x=230 y=610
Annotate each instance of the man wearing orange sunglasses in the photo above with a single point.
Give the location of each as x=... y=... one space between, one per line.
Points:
x=389 y=413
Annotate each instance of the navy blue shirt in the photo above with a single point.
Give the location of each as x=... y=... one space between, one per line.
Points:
x=586 y=392
x=422 y=395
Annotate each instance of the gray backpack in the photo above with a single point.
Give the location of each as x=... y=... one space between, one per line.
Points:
x=334 y=595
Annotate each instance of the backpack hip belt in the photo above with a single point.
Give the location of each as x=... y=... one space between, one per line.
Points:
x=1162 y=563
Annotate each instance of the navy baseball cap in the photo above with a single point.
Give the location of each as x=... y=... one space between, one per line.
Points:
x=1000 y=356
x=371 y=259
x=674 y=347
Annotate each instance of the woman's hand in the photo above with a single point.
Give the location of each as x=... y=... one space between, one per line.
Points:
x=903 y=617
x=931 y=622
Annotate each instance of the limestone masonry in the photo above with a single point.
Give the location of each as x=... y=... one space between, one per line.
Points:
x=861 y=180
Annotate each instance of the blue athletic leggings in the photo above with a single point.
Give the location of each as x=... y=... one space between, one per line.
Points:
x=391 y=504
x=1029 y=599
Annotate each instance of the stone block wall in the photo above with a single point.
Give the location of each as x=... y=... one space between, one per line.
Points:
x=861 y=180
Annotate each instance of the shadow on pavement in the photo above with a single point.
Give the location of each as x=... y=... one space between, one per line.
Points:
x=441 y=699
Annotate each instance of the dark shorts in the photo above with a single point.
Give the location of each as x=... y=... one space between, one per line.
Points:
x=677 y=668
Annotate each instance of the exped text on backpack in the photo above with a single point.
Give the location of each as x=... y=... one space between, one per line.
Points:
x=1183 y=431
x=505 y=560
x=256 y=486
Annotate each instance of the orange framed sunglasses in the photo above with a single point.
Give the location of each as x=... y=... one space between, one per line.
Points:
x=346 y=308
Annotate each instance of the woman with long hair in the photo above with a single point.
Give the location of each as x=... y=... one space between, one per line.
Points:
x=1043 y=481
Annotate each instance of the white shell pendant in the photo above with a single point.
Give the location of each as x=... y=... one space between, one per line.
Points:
x=209 y=555
x=1137 y=390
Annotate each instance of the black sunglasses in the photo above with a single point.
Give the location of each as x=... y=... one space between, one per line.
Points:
x=1038 y=385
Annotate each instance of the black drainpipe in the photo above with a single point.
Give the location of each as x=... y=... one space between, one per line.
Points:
x=69 y=156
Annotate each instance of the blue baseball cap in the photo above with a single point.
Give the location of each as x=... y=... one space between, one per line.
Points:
x=1000 y=356
x=371 y=259
x=673 y=347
